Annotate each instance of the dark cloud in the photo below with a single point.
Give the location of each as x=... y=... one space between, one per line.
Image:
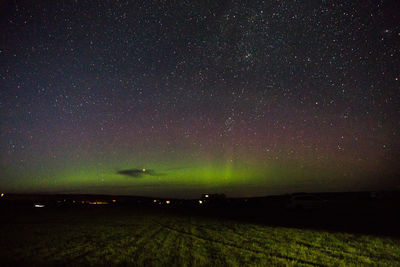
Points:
x=137 y=173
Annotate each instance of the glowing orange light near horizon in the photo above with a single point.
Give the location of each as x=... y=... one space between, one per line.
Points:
x=114 y=200
x=168 y=202
x=98 y=203
x=2 y=195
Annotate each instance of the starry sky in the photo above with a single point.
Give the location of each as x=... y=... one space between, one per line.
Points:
x=179 y=98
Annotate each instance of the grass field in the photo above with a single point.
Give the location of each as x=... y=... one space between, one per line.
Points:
x=104 y=236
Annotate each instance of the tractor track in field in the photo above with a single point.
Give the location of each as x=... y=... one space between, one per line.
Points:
x=234 y=245
x=255 y=239
x=234 y=231
x=137 y=240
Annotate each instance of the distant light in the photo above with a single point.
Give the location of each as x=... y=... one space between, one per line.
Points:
x=2 y=195
x=200 y=201
x=206 y=195
x=155 y=200
x=98 y=203
x=38 y=205
x=143 y=170
x=168 y=202
x=114 y=200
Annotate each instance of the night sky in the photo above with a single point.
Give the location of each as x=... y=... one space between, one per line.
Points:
x=179 y=98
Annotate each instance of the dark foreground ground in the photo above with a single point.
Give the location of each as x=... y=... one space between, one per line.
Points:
x=214 y=236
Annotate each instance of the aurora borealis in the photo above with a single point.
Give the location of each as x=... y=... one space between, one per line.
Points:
x=178 y=98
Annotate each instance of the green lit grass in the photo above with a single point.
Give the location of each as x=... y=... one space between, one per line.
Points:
x=142 y=238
